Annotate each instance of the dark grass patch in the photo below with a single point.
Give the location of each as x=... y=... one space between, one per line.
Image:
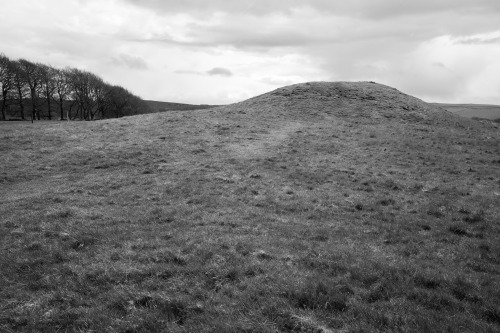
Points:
x=365 y=275
x=464 y=210
x=216 y=279
x=383 y=291
x=491 y=314
x=170 y=310
x=160 y=215
x=435 y=212
x=434 y=300
x=368 y=320
x=474 y=218
x=463 y=290
x=387 y=202
x=327 y=266
x=70 y=320
x=244 y=249
x=359 y=206
x=62 y=213
x=319 y=295
x=458 y=230
x=428 y=281
x=83 y=241
x=425 y=227
x=155 y=257
x=287 y=322
x=320 y=238
x=119 y=307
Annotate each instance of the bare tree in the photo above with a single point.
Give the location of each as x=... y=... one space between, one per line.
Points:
x=80 y=84
x=20 y=86
x=6 y=81
x=89 y=93
x=70 y=89
x=32 y=76
x=48 y=85
x=63 y=91
x=98 y=89
x=117 y=99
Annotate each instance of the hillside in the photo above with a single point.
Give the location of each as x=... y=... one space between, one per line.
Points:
x=482 y=111
x=318 y=207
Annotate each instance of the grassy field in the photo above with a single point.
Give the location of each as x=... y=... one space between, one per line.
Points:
x=315 y=208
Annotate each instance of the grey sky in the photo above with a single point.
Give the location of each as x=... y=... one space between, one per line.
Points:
x=447 y=50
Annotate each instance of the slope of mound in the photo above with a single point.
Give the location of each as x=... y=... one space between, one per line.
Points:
x=363 y=102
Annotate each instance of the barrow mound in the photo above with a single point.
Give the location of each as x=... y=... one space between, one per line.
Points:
x=361 y=102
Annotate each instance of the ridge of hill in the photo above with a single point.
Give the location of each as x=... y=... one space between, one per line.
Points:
x=318 y=207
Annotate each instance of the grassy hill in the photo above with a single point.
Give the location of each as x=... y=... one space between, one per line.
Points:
x=320 y=207
x=483 y=111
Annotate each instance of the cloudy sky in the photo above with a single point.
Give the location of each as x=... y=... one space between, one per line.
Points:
x=223 y=51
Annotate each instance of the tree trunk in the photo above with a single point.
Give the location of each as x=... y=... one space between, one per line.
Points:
x=61 y=109
x=33 y=105
x=38 y=114
x=3 y=109
x=21 y=104
x=48 y=107
x=21 y=108
x=4 y=103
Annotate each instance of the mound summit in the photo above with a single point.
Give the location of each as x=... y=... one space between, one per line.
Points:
x=362 y=102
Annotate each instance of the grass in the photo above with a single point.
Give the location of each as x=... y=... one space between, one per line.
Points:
x=219 y=221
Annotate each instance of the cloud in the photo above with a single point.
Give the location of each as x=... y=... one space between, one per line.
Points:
x=489 y=38
x=219 y=71
x=354 y=8
x=438 y=64
x=216 y=71
x=317 y=24
x=276 y=81
x=130 y=61
x=187 y=71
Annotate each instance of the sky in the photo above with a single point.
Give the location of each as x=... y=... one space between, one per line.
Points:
x=225 y=51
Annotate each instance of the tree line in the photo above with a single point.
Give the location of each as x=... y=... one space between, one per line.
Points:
x=35 y=91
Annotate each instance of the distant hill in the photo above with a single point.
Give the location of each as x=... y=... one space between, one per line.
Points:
x=483 y=111
x=168 y=106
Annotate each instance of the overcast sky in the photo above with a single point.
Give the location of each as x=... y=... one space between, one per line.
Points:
x=223 y=51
